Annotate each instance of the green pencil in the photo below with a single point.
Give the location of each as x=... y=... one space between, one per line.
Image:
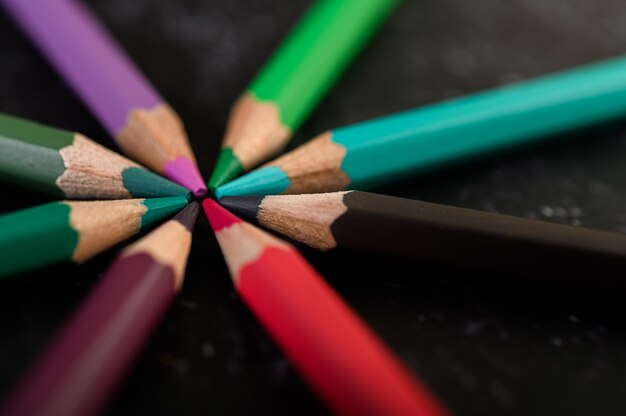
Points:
x=373 y=152
x=294 y=80
x=74 y=231
x=69 y=165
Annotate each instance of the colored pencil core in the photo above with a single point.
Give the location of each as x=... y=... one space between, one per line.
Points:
x=185 y=172
x=226 y=168
x=218 y=217
x=265 y=181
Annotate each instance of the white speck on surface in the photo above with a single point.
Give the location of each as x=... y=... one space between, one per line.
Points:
x=208 y=350
x=557 y=342
x=547 y=211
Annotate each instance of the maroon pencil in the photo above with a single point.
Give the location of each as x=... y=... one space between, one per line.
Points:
x=79 y=371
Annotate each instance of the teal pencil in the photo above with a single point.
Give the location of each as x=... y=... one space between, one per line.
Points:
x=373 y=152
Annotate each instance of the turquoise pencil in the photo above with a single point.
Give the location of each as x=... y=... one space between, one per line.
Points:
x=373 y=152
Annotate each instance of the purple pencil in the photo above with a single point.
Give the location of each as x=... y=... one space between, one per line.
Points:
x=82 y=51
x=79 y=371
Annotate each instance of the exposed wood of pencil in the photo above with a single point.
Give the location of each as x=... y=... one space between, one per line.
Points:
x=85 y=363
x=334 y=350
x=155 y=137
x=255 y=125
x=367 y=221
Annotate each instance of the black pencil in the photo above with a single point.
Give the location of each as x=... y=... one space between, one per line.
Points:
x=378 y=223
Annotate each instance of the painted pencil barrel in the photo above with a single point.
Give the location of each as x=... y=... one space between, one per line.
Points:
x=374 y=152
x=327 y=342
x=482 y=123
x=80 y=370
x=74 y=231
x=76 y=44
x=69 y=165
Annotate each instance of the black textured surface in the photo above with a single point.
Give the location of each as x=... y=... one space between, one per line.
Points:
x=486 y=346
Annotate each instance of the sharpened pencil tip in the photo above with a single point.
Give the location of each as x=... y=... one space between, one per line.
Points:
x=245 y=206
x=187 y=217
x=226 y=168
x=185 y=172
x=218 y=217
x=160 y=208
x=270 y=180
x=141 y=183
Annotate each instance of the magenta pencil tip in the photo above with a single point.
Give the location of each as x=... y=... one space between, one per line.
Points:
x=185 y=172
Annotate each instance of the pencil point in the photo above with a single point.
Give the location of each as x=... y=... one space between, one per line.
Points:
x=187 y=217
x=265 y=181
x=160 y=208
x=185 y=172
x=218 y=217
x=227 y=167
x=141 y=183
x=245 y=206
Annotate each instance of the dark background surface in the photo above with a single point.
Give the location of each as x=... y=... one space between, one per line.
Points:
x=486 y=344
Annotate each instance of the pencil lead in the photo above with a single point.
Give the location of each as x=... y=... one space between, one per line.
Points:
x=227 y=167
x=218 y=217
x=184 y=171
x=244 y=206
x=159 y=208
x=187 y=217
x=141 y=183
x=264 y=181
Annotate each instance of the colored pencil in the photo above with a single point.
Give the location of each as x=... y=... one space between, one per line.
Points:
x=332 y=348
x=91 y=62
x=373 y=152
x=92 y=353
x=294 y=80
x=69 y=165
x=379 y=223
x=75 y=230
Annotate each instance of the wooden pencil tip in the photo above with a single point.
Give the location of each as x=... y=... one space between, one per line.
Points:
x=245 y=206
x=187 y=217
x=218 y=217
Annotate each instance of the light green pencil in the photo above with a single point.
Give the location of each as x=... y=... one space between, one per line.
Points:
x=294 y=80
x=378 y=151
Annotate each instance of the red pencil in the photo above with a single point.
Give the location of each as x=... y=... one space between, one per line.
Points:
x=82 y=367
x=333 y=349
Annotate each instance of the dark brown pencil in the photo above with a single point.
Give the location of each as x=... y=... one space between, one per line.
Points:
x=366 y=221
